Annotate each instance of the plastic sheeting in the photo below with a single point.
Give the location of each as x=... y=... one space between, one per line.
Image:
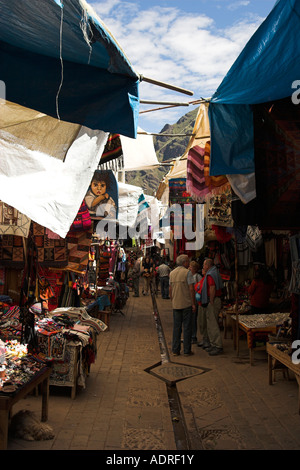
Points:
x=139 y=153
x=129 y=196
x=49 y=190
x=264 y=71
x=59 y=58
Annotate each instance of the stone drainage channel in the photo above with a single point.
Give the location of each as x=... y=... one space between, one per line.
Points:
x=171 y=373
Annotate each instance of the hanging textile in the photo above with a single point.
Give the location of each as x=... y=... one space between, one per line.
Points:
x=78 y=247
x=13 y=222
x=12 y=251
x=212 y=182
x=277 y=155
x=112 y=156
x=51 y=252
x=195 y=180
x=219 y=207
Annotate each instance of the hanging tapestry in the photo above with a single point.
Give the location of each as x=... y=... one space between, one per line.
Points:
x=195 y=181
x=79 y=247
x=178 y=193
x=12 y=222
x=82 y=221
x=277 y=168
x=219 y=208
x=11 y=251
x=212 y=182
x=51 y=252
x=112 y=156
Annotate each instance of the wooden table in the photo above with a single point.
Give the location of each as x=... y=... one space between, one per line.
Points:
x=265 y=325
x=6 y=402
x=275 y=355
x=226 y=314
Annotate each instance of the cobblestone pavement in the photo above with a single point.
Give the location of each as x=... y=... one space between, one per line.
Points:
x=137 y=397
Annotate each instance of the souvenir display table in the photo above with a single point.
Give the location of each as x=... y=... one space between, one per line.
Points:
x=20 y=375
x=278 y=354
x=257 y=328
x=67 y=339
x=227 y=312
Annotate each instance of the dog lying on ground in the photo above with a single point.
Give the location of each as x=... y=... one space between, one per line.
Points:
x=25 y=425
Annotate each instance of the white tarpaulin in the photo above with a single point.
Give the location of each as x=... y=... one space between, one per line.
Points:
x=129 y=204
x=48 y=189
x=139 y=153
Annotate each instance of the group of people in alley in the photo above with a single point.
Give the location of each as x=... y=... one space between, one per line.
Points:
x=196 y=296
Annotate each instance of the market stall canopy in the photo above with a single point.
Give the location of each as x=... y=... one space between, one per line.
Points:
x=264 y=72
x=130 y=206
x=139 y=153
x=59 y=58
x=126 y=154
x=68 y=86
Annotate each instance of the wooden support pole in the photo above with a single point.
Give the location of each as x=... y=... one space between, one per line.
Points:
x=166 y=85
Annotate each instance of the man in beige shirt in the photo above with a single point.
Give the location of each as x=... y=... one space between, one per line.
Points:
x=182 y=295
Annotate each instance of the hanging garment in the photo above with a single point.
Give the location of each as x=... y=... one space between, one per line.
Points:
x=195 y=181
x=254 y=238
x=212 y=182
x=82 y=221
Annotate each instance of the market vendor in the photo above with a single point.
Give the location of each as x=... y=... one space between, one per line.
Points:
x=260 y=290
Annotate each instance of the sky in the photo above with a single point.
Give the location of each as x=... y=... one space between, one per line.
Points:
x=190 y=44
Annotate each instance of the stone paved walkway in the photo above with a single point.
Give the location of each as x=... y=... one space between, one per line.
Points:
x=137 y=398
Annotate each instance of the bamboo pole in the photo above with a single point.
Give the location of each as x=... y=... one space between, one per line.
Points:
x=166 y=135
x=166 y=85
x=171 y=103
x=157 y=109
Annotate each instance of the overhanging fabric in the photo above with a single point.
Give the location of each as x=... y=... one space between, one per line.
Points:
x=46 y=189
x=139 y=153
x=62 y=61
x=67 y=81
x=264 y=71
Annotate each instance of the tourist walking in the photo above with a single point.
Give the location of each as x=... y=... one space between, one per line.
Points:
x=182 y=295
x=147 y=272
x=163 y=272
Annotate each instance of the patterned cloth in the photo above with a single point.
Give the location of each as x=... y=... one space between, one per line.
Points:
x=212 y=182
x=195 y=181
x=79 y=247
x=51 y=252
x=12 y=222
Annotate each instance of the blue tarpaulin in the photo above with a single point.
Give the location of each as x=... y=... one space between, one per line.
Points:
x=57 y=57
x=264 y=72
